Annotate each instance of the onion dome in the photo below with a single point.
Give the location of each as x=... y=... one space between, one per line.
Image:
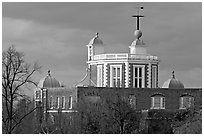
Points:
x=48 y=82
x=173 y=83
x=96 y=40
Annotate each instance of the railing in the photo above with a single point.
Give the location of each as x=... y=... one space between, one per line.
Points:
x=125 y=56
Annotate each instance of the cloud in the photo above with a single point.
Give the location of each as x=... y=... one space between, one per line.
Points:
x=55 y=34
x=54 y=48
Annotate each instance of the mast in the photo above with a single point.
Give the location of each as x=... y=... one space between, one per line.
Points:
x=138 y=16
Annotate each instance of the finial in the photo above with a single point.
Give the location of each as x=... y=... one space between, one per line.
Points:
x=138 y=17
x=173 y=74
x=97 y=34
x=49 y=73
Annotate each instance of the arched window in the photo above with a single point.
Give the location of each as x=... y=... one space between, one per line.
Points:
x=158 y=101
x=186 y=101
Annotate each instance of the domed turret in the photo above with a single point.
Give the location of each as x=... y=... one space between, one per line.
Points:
x=173 y=83
x=95 y=47
x=48 y=82
x=96 y=40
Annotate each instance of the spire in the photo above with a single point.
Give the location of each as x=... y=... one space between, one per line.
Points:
x=97 y=34
x=173 y=74
x=49 y=73
x=138 y=16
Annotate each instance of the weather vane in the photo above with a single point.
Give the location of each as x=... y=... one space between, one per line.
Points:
x=138 y=16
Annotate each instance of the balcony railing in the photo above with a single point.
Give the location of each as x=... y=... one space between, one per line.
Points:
x=125 y=56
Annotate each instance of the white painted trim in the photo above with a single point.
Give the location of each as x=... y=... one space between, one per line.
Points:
x=93 y=62
x=143 y=75
x=149 y=76
x=191 y=99
x=54 y=111
x=161 y=102
x=155 y=78
x=104 y=75
x=58 y=101
x=99 y=75
x=126 y=74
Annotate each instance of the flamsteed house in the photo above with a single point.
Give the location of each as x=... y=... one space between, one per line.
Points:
x=133 y=75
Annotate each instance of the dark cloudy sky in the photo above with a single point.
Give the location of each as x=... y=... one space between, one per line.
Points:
x=56 y=35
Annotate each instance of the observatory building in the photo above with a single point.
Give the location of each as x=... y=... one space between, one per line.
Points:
x=136 y=68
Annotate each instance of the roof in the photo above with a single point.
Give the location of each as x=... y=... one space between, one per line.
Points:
x=173 y=83
x=96 y=40
x=49 y=82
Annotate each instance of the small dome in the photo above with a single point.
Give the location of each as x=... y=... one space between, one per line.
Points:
x=96 y=40
x=48 y=82
x=173 y=83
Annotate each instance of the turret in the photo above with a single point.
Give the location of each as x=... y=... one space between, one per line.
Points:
x=95 y=47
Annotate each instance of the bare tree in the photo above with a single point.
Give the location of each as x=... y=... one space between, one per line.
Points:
x=123 y=117
x=16 y=74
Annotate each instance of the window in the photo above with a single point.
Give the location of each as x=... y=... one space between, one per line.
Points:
x=138 y=76
x=63 y=102
x=132 y=101
x=38 y=94
x=154 y=76
x=70 y=102
x=99 y=76
x=158 y=102
x=116 y=76
x=186 y=102
x=57 y=103
x=44 y=93
x=51 y=102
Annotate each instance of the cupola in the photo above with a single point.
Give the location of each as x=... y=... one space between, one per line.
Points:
x=48 y=82
x=173 y=83
x=96 y=45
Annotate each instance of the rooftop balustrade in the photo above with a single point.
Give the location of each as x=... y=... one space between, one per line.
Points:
x=125 y=56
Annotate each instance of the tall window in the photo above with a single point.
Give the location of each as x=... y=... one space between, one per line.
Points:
x=157 y=102
x=138 y=76
x=154 y=76
x=57 y=103
x=51 y=102
x=44 y=93
x=63 y=102
x=99 y=76
x=186 y=102
x=70 y=102
x=116 y=76
x=38 y=94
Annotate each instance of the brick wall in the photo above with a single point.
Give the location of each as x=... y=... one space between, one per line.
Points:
x=143 y=95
